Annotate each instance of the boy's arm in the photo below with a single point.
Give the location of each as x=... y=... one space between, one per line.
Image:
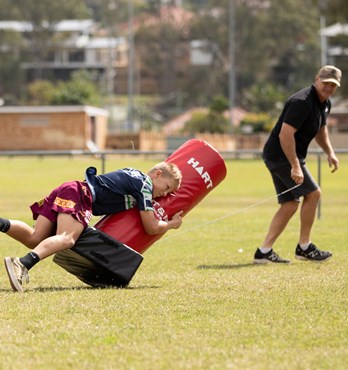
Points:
x=154 y=226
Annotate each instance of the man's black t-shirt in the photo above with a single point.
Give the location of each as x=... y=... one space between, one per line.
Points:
x=307 y=114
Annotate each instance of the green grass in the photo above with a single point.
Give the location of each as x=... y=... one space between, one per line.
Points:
x=196 y=302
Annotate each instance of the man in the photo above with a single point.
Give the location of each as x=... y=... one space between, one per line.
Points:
x=303 y=119
x=65 y=213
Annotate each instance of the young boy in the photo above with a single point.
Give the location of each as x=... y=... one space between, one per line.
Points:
x=65 y=213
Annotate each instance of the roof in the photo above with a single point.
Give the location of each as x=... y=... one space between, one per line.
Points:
x=86 y=42
x=68 y=25
x=335 y=30
x=54 y=109
x=104 y=42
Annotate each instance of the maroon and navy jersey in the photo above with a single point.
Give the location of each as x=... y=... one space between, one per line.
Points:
x=119 y=190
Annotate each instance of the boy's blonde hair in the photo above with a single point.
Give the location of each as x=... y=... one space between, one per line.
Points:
x=169 y=170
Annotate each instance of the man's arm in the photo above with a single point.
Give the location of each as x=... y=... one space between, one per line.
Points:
x=323 y=140
x=288 y=144
x=154 y=226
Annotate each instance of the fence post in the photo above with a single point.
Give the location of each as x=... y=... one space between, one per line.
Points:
x=103 y=162
x=319 y=182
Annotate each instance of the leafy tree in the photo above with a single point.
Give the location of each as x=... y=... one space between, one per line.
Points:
x=264 y=97
x=79 y=90
x=159 y=45
x=213 y=121
x=256 y=122
x=41 y=92
x=219 y=104
x=11 y=77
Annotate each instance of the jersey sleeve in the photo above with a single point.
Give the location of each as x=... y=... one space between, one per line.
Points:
x=144 y=199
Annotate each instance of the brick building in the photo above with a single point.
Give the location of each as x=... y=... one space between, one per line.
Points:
x=53 y=128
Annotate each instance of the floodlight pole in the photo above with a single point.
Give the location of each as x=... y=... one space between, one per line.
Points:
x=323 y=39
x=130 y=115
x=232 y=75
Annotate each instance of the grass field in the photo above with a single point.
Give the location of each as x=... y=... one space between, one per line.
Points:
x=197 y=301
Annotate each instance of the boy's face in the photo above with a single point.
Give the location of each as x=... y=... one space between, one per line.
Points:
x=162 y=185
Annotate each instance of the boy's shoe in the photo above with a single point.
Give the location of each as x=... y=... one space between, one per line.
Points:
x=17 y=273
x=271 y=256
x=312 y=253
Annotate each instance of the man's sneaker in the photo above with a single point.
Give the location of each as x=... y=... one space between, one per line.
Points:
x=312 y=253
x=17 y=273
x=260 y=258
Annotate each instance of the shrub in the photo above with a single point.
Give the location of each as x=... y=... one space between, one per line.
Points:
x=256 y=122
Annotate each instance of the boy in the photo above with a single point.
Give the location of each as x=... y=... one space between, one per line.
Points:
x=65 y=213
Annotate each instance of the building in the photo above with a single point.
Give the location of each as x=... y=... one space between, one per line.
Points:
x=75 y=45
x=53 y=128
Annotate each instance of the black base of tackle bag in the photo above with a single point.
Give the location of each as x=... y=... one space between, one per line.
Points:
x=99 y=260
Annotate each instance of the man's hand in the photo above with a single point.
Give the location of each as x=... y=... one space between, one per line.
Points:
x=333 y=162
x=297 y=174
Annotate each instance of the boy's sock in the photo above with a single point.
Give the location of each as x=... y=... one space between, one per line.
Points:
x=30 y=260
x=4 y=224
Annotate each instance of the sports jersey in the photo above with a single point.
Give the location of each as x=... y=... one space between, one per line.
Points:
x=307 y=114
x=119 y=190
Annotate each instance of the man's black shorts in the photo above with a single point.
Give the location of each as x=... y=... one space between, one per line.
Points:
x=281 y=176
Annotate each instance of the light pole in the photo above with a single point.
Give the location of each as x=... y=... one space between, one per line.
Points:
x=130 y=115
x=232 y=75
x=323 y=40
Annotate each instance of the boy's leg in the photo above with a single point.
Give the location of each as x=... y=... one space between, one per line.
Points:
x=29 y=236
x=68 y=231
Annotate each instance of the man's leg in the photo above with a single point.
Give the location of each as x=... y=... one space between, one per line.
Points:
x=265 y=253
x=305 y=249
x=279 y=222
x=308 y=211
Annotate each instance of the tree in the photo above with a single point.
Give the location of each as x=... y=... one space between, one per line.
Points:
x=213 y=121
x=80 y=89
x=41 y=92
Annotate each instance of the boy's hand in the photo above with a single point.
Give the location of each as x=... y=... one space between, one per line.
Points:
x=177 y=219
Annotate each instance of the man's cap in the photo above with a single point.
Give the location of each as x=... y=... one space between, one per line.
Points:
x=330 y=74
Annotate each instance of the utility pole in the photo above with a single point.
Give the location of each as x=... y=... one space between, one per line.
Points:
x=130 y=115
x=232 y=74
x=323 y=39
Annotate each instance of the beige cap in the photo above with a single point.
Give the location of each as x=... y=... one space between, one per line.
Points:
x=330 y=74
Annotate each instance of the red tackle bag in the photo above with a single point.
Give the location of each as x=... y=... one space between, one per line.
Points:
x=202 y=168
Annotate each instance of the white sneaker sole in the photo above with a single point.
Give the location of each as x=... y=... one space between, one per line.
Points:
x=301 y=258
x=16 y=286
x=261 y=261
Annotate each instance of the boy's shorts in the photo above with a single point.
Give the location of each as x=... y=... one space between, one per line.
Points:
x=282 y=181
x=73 y=198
